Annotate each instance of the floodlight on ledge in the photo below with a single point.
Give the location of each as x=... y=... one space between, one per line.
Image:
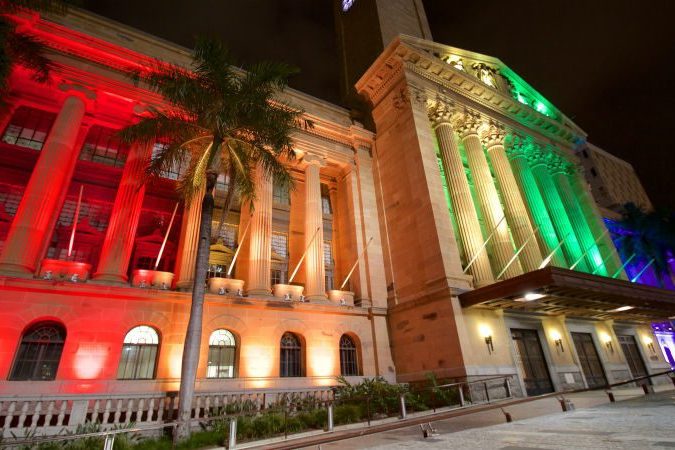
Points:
x=530 y=297
x=622 y=309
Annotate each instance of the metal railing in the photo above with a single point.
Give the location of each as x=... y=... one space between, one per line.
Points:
x=485 y=402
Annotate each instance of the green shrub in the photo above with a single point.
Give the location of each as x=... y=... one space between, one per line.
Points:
x=346 y=413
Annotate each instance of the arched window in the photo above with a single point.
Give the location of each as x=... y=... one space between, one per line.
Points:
x=291 y=356
x=349 y=362
x=222 y=353
x=39 y=352
x=139 y=354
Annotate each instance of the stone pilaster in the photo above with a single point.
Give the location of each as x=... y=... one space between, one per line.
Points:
x=187 y=244
x=516 y=213
x=40 y=203
x=119 y=238
x=462 y=203
x=315 y=282
x=561 y=222
x=559 y=169
x=260 y=240
x=488 y=199
x=547 y=238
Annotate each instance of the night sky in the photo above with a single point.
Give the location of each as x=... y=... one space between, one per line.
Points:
x=609 y=65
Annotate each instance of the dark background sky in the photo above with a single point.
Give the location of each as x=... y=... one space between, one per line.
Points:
x=607 y=64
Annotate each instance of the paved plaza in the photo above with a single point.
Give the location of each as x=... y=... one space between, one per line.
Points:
x=634 y=423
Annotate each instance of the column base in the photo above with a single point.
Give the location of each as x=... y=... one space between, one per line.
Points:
x=185 y=286
x=17 y=270
x=317 y=298
x=110 y=279
x=260 y=293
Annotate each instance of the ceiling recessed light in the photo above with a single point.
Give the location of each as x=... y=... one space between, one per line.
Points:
x=622 y=309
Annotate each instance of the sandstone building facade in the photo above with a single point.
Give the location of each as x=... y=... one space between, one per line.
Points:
x=480 y=249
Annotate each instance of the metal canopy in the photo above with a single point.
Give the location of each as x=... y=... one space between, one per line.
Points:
x=575 y=294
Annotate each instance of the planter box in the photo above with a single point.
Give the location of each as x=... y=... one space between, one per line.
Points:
x=338 y=297
x=157 y=279
x=55 y=269
x=223 y=286
x=291 y=292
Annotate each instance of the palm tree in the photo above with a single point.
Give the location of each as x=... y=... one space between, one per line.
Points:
x=649 y=236
x=17 y=47
x=225 y=121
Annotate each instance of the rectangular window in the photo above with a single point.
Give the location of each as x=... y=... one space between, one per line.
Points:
x=327 y=253
x=29 y=127
x=102 y=146
x=326 y=207
x=280 y=245
x=280 y=195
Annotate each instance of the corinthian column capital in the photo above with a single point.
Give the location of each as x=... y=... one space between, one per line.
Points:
x=441 y=112
x=536 y=155
x=468 y=124
x=554 y=162
x=516 y=146
x=493 y=135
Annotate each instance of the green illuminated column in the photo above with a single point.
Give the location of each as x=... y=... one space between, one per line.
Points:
x=597 y=225
x=555 y=207
x=488 y=198
x=548 y=239
x=559 y=169
x=462 y=204
x=516 y=213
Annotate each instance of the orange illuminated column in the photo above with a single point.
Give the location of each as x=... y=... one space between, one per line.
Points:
x=41 y=201
x=187 y=245
x=315 y=282
x=119 y=238
x=488 y=199
x=460 y=195
x=516 y=213
x=260 y=242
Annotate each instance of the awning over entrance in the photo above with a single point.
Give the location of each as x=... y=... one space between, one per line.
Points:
x=560 y=291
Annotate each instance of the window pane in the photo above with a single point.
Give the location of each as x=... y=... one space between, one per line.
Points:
x=29 y=127
x=39 y=353
x=139 y=354
x=102 y=145
x=348 y=356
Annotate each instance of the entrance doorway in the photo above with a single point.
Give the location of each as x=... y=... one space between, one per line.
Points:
x=633 y=358
x=530 y=358
x=589 y=360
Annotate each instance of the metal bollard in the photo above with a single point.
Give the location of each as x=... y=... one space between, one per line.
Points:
x=648 y=389
x=404 y=413
x=487 y=393
x=232 y=441
x=109 y=442
x=611 y=396
x=330 y=418
x=461 y=395
x=507 y=388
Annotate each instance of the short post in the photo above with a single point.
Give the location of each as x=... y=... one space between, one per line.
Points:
x=404 y=413
x=330 y=417
x=461 y=394
x=647 y=388
x=487 y=393
x=109 y=442
x=368 y=409
x=507 y=416
x=232 y=441
x=610 y=394
x=507 y=387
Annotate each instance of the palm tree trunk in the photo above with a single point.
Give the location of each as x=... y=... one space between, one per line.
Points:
x=193 y=334
x=232 y=175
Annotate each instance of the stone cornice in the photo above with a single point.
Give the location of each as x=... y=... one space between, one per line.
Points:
x=400 y=57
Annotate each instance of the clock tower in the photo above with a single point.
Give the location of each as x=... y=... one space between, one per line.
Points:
x=364 y=28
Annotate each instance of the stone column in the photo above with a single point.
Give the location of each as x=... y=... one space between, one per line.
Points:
x=559 y=169
x=548 y=240
x=315 y=281
x=119 y=238
x=594 y=220
x=488 y=199
x=516 y=213
x=187 y=244
x=554 y=205
x=40 y=203
x=470 y=233
x=260 y=240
